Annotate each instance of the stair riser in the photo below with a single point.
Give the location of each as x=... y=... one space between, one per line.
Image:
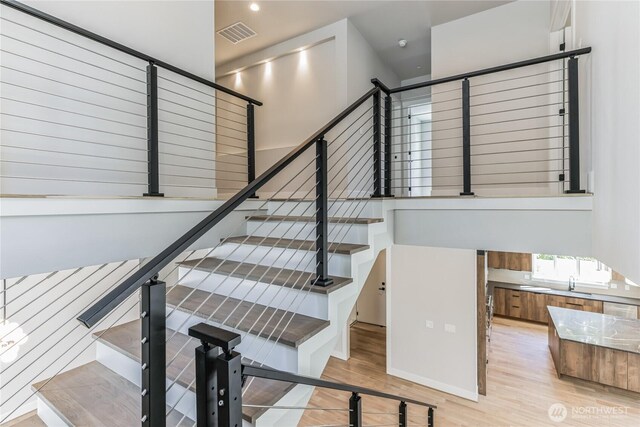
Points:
x=339 y=265
x=345 y=233
x=349 y=208
x=276 y=355
x=301 y=301
x=129 y=369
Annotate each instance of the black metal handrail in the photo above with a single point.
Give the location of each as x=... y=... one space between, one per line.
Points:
x=485 y=71
x=148 y=271
x=122 y=48
x=276 y=375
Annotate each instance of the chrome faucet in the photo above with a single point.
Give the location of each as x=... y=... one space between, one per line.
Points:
x=572 y=283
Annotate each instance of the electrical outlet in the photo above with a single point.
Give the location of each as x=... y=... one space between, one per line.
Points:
x=614 y=286
x=627 y=287
x=448 y=327
x=527 y=277
x=429 y=324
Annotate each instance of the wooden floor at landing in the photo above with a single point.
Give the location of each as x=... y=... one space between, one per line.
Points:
x=521 y=386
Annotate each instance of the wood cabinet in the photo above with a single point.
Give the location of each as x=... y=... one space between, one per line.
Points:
x=602 y=365
x=510 y=261
x=500 y=301
x=533 y=306
x=633 y=372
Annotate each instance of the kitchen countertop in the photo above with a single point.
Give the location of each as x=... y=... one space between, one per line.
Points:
x=571 y=294
x=597 y=329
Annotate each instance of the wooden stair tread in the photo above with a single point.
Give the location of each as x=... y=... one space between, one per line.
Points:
x=93 y=395
x=305 y=245
x=30 y=419
x=292 y=218
x=292 y=279
x=293 y=329
x=125 y=338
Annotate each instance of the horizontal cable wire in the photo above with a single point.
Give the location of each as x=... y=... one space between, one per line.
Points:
x=72 y=112
x=302 y=408
x=184 y=126
x=74 y=72
x=519 y=130
x=186 y=106
x=74 y=140
x=516 y=109
x=71 y=166
x=518 y=98
x=74 y=59
x=73 y=126
x=514 y=88
x=72 y=85
x=72 y=180
x=160 y=88
x=72 y=44
x=188 y=87
x=515 y=120
x=73 y=99
x=516 y=78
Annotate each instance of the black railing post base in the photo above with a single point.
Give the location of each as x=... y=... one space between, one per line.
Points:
x=153 y=194
x=322 y=282
x=467 y=193
x=153 y=351
x=575 y=191
x=218 y=377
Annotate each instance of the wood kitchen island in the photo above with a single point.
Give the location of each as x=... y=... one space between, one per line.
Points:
x=595 y=347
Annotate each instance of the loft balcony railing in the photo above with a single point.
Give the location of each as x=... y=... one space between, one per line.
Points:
x=85 y=115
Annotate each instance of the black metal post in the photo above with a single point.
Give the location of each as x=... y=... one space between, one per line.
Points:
x=153 y=162
x=355 y=410
x=377 y=148
x=322 y=215
x=251 y=144
x=574 y=128
x=466 y=140
x=402 y=415
x=218 y=377
x=430 y=420
x=387 y=147
x=153 y=311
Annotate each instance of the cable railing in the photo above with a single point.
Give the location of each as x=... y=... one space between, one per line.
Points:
x=84 y=115
x=506 y=130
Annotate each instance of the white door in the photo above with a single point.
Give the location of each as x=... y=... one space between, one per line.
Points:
x=372 y=302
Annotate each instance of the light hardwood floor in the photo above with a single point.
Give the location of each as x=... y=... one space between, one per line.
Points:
x=521 y=386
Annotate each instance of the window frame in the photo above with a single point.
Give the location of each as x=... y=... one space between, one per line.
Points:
x=577 y=277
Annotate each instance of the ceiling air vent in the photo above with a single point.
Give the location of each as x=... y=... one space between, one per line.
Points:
x=237 y=32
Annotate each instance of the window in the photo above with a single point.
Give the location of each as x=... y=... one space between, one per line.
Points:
x=563 y=268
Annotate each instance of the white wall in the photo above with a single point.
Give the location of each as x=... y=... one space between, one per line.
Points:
x=179 y=32
x=308 y=80
x=437 y=285
x=610 y=120
x=74 y=111
x=509 y=33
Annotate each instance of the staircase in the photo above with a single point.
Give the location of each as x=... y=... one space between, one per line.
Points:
x=286 y=322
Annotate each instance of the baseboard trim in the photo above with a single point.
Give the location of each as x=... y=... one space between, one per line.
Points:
x=447 y=388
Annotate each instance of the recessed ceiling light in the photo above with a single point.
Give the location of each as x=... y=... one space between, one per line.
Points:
x=419 y=66
x=254 y=6
x=402 y=43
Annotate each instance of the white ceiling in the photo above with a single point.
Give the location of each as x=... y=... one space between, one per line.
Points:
x=381 y=22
